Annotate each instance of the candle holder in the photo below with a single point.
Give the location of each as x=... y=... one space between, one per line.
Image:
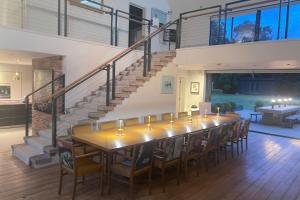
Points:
x=171 y=120
x=279 y=102
x=285 y=102
x=218 y=114
x=120 y=131
x=273 y=101
x=205 y=113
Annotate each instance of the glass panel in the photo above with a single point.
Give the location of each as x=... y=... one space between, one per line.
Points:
x=269 y=24
x=244 y=28
x=294 y=21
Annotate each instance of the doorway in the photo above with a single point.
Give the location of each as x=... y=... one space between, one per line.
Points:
x=135 y=24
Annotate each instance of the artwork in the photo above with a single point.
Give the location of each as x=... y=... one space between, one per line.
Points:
x=161 y=15
x=167 y=84
x=4 y=91
x=195 y=87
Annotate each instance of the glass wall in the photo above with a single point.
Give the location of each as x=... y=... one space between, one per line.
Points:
x=264 y=23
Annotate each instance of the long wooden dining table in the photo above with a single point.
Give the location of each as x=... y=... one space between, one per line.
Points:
x=112 y=140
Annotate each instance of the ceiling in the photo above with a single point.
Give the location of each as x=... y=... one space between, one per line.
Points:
x=19 y=57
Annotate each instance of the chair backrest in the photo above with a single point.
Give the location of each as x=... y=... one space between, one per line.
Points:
x=195 y=113
x=166 y=116
x=245 y=127
x=131 y=121
x=182 y=114
x=172 y=147
x=225 y=132
x=153 y=118
x=87 y=127
x=65 y=152
x=108 y=125
x=213 y=138
x=143 y=155
x=194 y=142
x=236 y=130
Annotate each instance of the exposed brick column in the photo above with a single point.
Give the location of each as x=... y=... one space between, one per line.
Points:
x=42 y=120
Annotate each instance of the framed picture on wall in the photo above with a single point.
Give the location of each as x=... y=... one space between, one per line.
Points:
x=195 y=87
x=4 y=91
x=167 y=84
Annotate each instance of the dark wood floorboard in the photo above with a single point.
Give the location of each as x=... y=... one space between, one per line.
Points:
x=268 y=170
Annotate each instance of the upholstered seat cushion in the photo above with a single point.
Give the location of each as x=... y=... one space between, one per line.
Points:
x=87 y=166
x=121 y=169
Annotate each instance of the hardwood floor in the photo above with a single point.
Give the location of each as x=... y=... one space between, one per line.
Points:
x=270 y=169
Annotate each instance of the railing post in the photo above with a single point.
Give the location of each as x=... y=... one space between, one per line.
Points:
x=279 y=20
x=116 y=28
x=66 y=19
x=64 y=96
x=225 y=24
x=149 y=48
x=107 y=84
x=58 y=17
x=287 y=19
x=220 y=26
x=179 y=26
x=54 y=121
x=145 y=59
x=111 y=27
x=27 y=116
x=113 y=90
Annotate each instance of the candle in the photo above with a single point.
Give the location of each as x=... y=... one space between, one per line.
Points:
x=171 y=117
x=205 y=113
x=273 y=102
x=218 y=110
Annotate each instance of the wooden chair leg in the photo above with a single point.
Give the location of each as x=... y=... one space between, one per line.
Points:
x=74 y=187
x=150 y=181
x=225 y=149
x=83 y=180
x=101 y=183
x=178 y=173
x=242 y=147
x=185 y=169
x=131 y=183
x=237 y=148
x=163 y=178
x=60 y=181
x=197 y=166
x=246 y=142
x=232 y=150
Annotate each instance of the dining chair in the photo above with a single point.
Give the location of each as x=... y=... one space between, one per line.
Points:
x=153 y=118
x=131 y=121
x=167 y=155
x=234 y=136
x=195 y=113
x=192 y=151
x=211 y=145
x=108 y=125
x=84 y=128
x=74 y=161
x=224 y=136
x=167 y=116
x=244 y=133
x=138 y=164
x=182 y=115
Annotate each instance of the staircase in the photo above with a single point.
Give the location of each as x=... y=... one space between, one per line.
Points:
x=37 y=151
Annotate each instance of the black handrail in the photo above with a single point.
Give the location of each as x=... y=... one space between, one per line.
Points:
x=61 y=77
x=105 y=66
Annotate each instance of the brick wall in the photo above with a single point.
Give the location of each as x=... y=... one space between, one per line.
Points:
x=42 y=120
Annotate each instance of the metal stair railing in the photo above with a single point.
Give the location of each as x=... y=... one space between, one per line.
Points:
x=107 y=66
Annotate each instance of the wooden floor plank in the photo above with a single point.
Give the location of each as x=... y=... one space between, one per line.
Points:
x=269 y=169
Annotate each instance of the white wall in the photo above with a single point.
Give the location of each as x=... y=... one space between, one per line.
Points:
x=148 y=99
x=19 y=88
x=264 y=55
x=79 y=57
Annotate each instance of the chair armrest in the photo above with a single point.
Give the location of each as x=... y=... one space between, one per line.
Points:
x=88 y=155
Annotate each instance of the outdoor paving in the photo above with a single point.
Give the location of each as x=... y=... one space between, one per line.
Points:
x=288 y=132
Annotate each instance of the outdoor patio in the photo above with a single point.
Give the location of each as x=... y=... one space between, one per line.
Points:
x=274 y=130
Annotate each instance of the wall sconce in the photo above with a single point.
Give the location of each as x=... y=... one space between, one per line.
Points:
x=17 y=76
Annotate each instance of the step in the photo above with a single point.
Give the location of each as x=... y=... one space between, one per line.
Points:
x=122 y=95
x=116 y=101
x=105 y=108
x=144 y=78
x=24 y=152
x=41 y=161
x=39 y=143
x=96 y=115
